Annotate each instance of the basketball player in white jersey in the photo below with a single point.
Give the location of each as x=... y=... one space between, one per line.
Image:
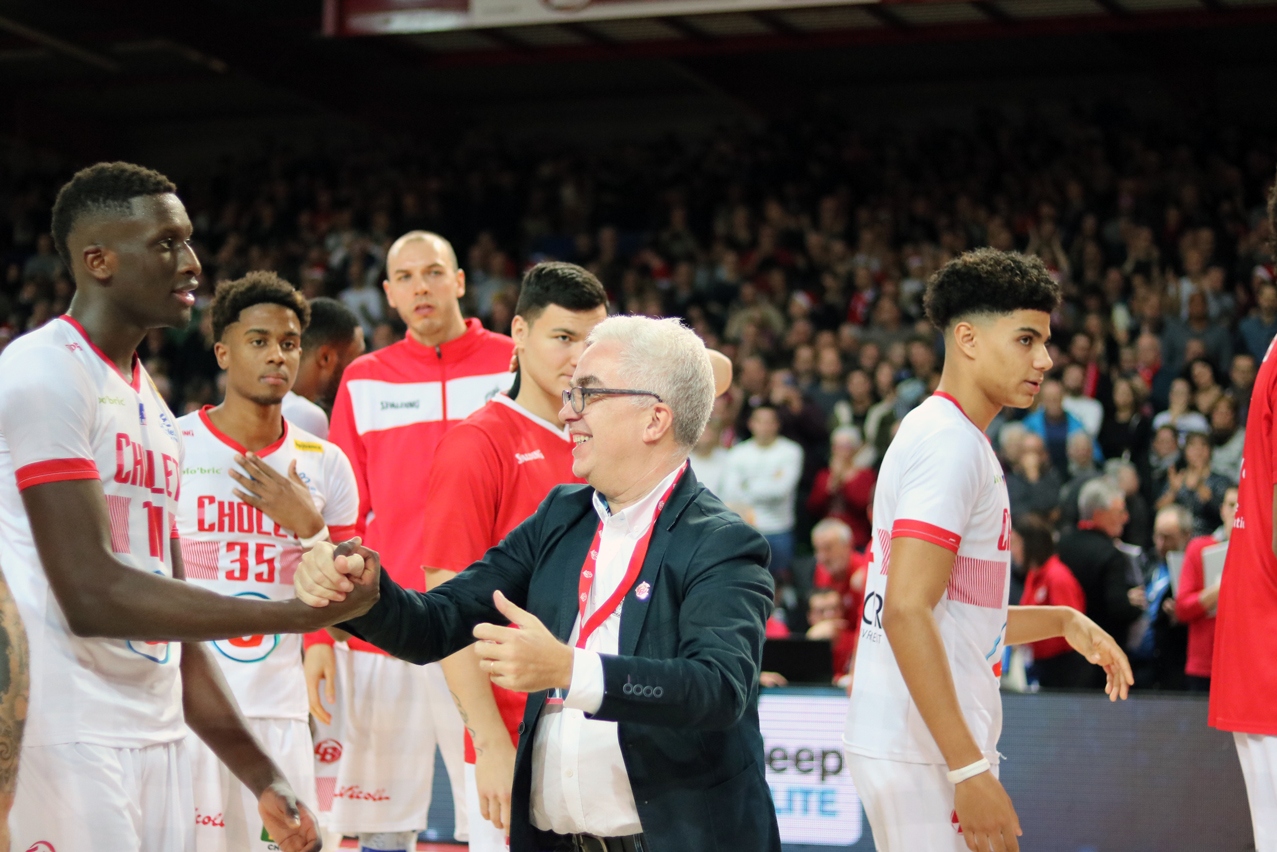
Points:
x=90 y=469
x=922 y=730
x=256 y=492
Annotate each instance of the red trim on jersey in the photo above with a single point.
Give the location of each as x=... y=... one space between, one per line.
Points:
x=956 y=404
x=135 y=382
x=319 y=637
x=340 y=534
x=55 y=470
x=235 y=445
x=926 y=532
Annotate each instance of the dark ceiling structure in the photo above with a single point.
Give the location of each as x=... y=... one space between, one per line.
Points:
x=99 y=77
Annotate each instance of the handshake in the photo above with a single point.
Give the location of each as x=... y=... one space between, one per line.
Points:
x=343 y=578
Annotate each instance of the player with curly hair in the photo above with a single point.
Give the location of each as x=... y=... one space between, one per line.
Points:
x=257 y=491
x=925 y=716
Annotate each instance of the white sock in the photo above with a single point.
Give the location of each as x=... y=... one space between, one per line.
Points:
x=388 y=841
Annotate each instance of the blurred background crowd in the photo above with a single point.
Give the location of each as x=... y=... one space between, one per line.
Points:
x=801 y=250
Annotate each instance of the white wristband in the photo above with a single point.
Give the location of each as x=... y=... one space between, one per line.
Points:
x=956 y=776
x=308 y=543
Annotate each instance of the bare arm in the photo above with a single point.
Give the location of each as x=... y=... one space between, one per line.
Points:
x=1027 y=624
x=102 y=596
x=14 y=684
x=918 y=576
x=471 y=691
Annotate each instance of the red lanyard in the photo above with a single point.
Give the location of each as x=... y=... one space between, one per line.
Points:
x=588 y=570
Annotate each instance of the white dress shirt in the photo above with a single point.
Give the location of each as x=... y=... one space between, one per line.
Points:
x=579 y=781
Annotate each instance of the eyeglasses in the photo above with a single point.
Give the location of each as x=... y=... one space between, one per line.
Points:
x=577 y=396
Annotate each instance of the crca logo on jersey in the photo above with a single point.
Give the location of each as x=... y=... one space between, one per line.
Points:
x=43 y=845
x=328 y=751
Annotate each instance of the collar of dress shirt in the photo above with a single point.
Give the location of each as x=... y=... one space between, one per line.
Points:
x=634 y=518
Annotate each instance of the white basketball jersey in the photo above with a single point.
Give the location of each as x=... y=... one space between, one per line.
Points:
x=234 y=549
x=941 y=482
x=68 y=413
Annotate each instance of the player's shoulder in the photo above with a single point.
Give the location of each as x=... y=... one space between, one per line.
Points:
x=937 y=425
x=482 y=432
x=56 y=340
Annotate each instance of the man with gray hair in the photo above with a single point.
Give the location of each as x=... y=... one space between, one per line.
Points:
x=640 y=602
x=1109 y=579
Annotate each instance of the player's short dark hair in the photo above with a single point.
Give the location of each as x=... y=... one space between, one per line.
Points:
x=104 y=187
x=989 y=281
x=255 y=288
x=330 y=322
x=556 y=283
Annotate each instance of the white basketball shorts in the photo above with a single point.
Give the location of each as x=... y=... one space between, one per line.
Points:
x=393 y=716
x=909 y=805
x=226 y=815
x=76 y=796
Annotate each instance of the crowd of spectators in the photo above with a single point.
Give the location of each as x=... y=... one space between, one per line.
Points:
x=802 y=251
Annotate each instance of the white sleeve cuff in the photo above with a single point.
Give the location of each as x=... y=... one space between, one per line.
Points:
x=586 y=692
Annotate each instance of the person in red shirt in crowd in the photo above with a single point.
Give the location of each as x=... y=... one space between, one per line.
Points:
x=839 y=568
x=492 y=472
x=844 y=490
x=1243 y=690
x=1195 y=604
x=1049 y=583
x=392 y=409
x=831 y=622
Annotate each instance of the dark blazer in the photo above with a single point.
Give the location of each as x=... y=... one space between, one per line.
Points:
x=1105 y=575
x=684 y=687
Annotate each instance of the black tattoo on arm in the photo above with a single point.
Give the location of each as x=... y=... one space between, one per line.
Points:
x=14 y=684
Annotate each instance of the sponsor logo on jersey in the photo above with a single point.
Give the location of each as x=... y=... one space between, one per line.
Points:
x=521 y=458
x=111 y=400
x=201 y=471
x=44 y=845
x=308 y=446
x=388 y=405
x=71 y=347
x=355 y=792
x=167 y=424
x=248 y=649
x=209 y=820
x=328 y=751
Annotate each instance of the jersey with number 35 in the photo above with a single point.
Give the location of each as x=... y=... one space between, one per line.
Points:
x=232 y=548
x=68 y=413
